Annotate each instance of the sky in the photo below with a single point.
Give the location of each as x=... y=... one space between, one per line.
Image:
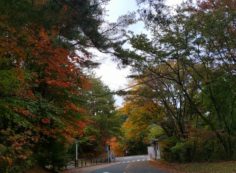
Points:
x=108 y=71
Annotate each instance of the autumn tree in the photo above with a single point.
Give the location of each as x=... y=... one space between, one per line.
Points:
x=141 y=121
x=41 y=77
x=182 y=66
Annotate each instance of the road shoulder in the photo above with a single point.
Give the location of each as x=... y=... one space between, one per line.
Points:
x=164 y=166
x=88 y=169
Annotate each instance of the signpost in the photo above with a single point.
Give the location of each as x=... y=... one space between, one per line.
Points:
x=108 y=148
x=76 y=153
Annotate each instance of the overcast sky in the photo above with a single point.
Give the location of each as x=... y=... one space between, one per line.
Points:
x=112 y=76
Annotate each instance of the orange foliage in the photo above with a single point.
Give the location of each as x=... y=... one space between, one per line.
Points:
x=58 y=69
x=115 y=146
x=81 y=126
x=45 y=70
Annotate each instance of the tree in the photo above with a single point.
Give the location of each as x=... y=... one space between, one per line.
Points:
x=142 y=117
x=101 y=112
x=181 y=67
x=41 y=77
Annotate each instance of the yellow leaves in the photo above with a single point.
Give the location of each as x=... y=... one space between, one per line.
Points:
x=141 y=113
x=132 y=130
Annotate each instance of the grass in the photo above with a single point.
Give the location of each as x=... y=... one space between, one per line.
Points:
x=219 y=167
x=216 y=167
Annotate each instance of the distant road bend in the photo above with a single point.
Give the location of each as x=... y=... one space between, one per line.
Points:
x=130 y=164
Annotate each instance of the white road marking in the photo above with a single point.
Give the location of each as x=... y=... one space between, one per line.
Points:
x=132 y=161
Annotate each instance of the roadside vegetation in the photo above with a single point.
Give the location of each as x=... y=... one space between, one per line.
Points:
x=206 y=167
x=182 y=92
x=219 y=167
x=47 y=100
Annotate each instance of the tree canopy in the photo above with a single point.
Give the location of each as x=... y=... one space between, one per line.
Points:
x=186 y=68
x=184 y=74
x=42 y=82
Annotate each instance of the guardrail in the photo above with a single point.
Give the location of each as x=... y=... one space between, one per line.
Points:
x=80 y=163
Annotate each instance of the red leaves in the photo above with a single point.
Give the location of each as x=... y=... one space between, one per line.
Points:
x=205 y=5
x=72 y=107
x=58 y=83
x=65 y=8
x=44 y=69
x=216 y=4
x=58 y=66
x=46 y=77
x=46 y=120
x=81 y=126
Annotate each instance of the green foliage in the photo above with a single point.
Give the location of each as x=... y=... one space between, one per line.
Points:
x=9 y=82
x=187 y=70
x=155 y=132
x=135 y=147
x=199 y=149
x=182 y=151
x=41 y=111
x=53 y=154
x=105 y=124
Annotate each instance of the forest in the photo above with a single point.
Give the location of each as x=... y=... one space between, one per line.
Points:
x=182 y=91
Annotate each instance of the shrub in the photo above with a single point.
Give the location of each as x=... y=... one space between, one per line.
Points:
x=194 y=149
x=183 y=151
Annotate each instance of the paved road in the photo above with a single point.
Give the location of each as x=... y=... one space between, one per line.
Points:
x=134 y=164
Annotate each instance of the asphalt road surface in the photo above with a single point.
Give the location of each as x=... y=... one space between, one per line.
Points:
x=132 y=164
